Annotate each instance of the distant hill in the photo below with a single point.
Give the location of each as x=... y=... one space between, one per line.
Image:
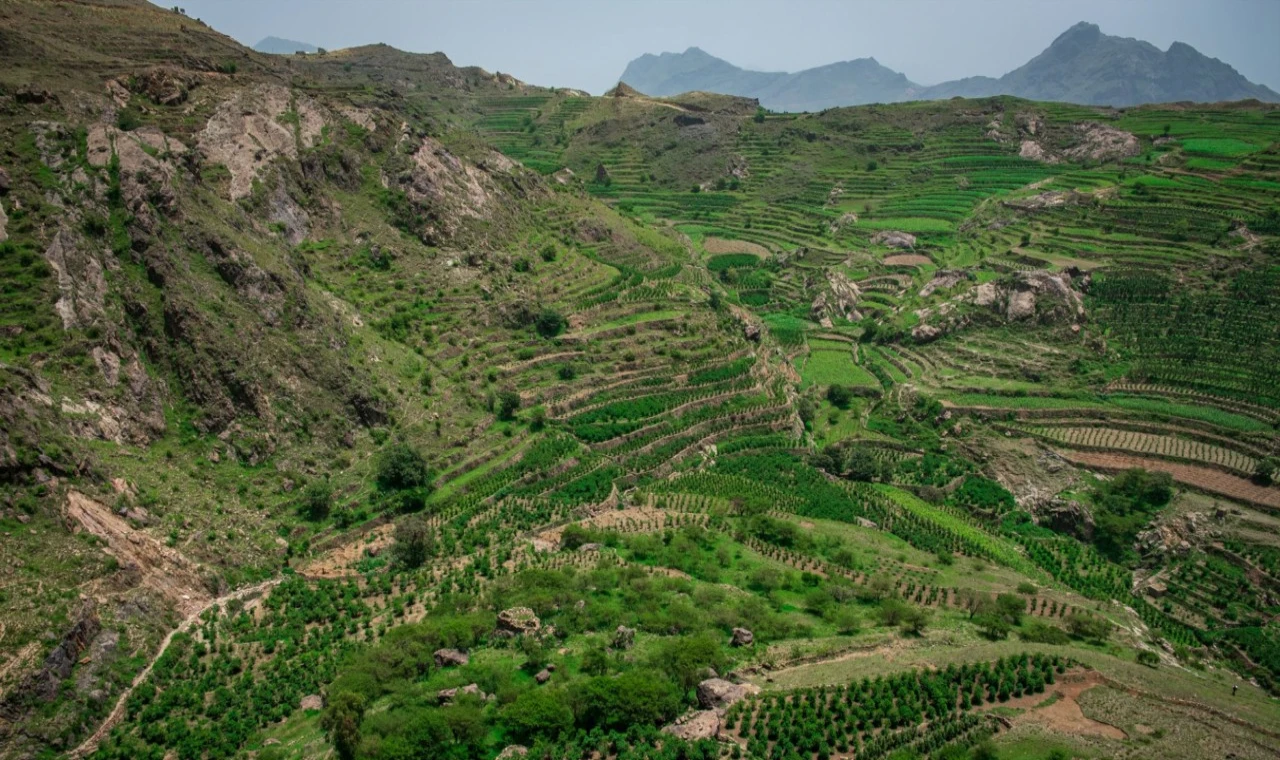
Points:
x=1082 y=65
x=838 y=84
x=280 y=46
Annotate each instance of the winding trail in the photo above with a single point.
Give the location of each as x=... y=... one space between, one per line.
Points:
x=90 y=744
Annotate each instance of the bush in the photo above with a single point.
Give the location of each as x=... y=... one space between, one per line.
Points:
x=508 y=405
x=414 y=542
x=1087 y=626
x=341 y=722
x=1043 y=633
x=548 y=252
x=128 y=119
x=566 y=372
x=549 y=323
x=317 y=500
x=1148 y=658
x=400 y=467
x=840 y=396
x=538 y=714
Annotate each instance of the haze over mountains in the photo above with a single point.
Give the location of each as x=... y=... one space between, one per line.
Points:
x=281 y=46
x=1082 y=65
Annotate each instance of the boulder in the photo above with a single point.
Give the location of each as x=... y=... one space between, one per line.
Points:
x=624 y=637
x=30 y=94
x=512 y=751
x=312 y=702
x=717 y=693
x=1069 y=517
x=695 y=725
x=590 y=547
x=6 y=184
x=446 y=658
x=742 y=638
x=446 y=696
x=543 y=676
x=518 y=620
x=925 y=333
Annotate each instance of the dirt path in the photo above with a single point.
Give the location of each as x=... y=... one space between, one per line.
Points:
x=90 y=744
x=1064 y=715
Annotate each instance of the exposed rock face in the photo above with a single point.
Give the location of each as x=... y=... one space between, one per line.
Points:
x=164 y=85
x=446 y=658
x=894 y=239
x=518 y=620
x=624 y=637
x=512 y=751
x=717 y=693
x=839 y=299
x=5 y=183
x=146 y=168
x=57 y=667
x=1043 y=292
x=695 y=725
x=1099 y=142
x=4 y=224
x=742 y=638
x=246 y=132
x=1066 y=516
x=542 y=676
x=925 y=333
x=942 y=280
x=1032 y=150
x=82 y=284
x=263 y=290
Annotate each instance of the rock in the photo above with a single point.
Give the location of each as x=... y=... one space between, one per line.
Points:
x=865 y=523
x=46 y=682
x=543 y=676
x=1099 y=142
x=512 y=751
x=82 y=284
x=446 y=696
x=30 y=94
x=925 y=333
x=551 y=668
x=752 y=332
x=894 y=239
x=312 y=702
x=1033 y=151
x=695 y=725
x=4 y=225
x=564 y=176
x=163 y=85
x=717 y=693
x=944 y=280
x=624 y=637
x=838 y=299
x=6 y=184
x=742 y=638
x=590 y=547
x=518 y=620
x=1066 y=516
x=446 y=658
x=246 y=133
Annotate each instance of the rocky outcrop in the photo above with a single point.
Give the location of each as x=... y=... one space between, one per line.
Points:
x=717 y=693
x=82 y=284
x=45 y=683
x=1098 y=142
x=838 y=299
x=1066 y=516
x=447 y=696
x=163 y=85
x=542 y=676
x=944 y=279
x=894 y=239
x=148 y=162
x=447 y=658
x=4 y=224
x=265 y=291
x=512 y=751
x=695 y=725
x=255 y=127
x=518 y=620
x=742 y=638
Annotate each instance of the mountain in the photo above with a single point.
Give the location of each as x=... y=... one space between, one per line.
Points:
x=1082 y=65
x=281 y=46
x=846 y=83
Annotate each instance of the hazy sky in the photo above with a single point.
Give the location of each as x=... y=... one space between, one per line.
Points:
x=587 y=43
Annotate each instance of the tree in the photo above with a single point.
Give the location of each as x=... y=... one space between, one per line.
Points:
x=595 y=661
x=401 y=467
x=414 y=541
x=1010 y=607
x=1264 y=472
x=508 y=404
x=317 y=500
x=760 y=114
x=574 y=535
x=637 y=698
x=1148 y=658
x=1124 y=505
x=915 y=620
x=541 y=713
x=549 y=323
x=341 y=723
x=685 y=660
x=840 y=396
x=993 y=626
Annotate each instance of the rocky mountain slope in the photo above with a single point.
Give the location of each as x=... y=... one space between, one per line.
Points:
x=1082 y=65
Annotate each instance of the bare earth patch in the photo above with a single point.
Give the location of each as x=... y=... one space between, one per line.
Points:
x=715 y=246
x=1214 y=481
x=907 y=260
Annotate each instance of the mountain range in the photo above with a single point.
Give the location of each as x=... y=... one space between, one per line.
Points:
x=1082 y=65
x=281 y=46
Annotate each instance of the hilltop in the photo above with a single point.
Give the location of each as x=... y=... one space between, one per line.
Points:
x=279 y=46
x=1082 y=65
x=362 y=405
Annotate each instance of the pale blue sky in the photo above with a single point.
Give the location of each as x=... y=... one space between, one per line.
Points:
x=587 y=43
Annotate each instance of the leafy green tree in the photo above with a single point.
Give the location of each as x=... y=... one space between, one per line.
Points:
x=636 y=698
x=549 y=323
x=317 y=499
x=685 y=660
x=508 y=404
x=1264 y=472
x=414 y=541
x=840 y=396
x=341 y=723
x=401 y=467
x=538 y=714
x=1087 y=626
